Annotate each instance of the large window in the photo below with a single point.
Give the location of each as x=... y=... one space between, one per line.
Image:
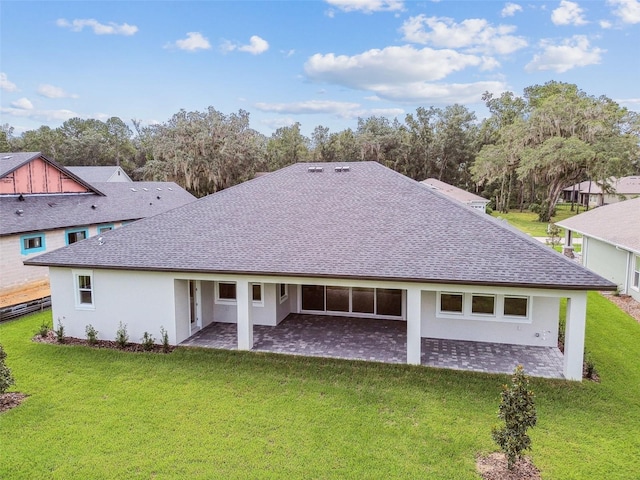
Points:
x=334 y=299
x=32 y=243
x=76 y=234
x=83 y=280
x=635 y=281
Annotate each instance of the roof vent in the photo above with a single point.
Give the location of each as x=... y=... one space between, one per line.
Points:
x=93 y=207
x=19 y=212
x=342 y=168
x=145 y=189
x=133 y=190
x=7 y=157
x=21 y=198
x=101 y=241
x=315 y=169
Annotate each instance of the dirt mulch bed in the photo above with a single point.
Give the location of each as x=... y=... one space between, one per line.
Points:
x=494 y=467
x=626 y=303
x=10 y=400
x=129 y=347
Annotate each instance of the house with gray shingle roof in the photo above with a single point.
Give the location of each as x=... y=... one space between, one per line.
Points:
x=353 y=239
x=610 y=243
x=470 y=199
x=99 y=174
x=44 y=206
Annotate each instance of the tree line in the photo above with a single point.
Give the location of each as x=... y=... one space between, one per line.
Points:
x=525 y=152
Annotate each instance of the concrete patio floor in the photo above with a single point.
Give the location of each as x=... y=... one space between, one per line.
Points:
x=380 y=341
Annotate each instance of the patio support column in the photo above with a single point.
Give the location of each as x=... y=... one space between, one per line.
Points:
x=574 y=335
x=245 y=323
x=414 y=306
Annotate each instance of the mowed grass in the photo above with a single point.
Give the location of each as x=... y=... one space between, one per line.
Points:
x=528 y=221
x=200 y=413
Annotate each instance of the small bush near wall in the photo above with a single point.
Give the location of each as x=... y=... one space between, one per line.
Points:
x=122 y=337
x=6 y=377
x=148 y=342
x=92 y=334
x=60 y=332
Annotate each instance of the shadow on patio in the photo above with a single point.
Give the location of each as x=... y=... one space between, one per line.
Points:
x=380 y=341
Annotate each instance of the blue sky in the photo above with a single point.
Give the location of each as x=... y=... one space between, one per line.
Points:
x=314 y=62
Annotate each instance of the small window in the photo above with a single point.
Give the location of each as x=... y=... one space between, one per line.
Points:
x=226 y=291
x=515 y=306
x=104 y=228
x=483 y=304
x=73 y=236
x=256 y=292
x=635 y=281
x=451 y=302
x=284 y=292
x=84 y=289
x=32 y=243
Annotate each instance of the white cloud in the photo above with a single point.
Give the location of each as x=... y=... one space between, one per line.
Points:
x=279 y=122
x=40 y=115
x=7 y=85
x=510 y=9
x=571 y=53
x=256 y=46
x=194 y=41
x=288 y=53
x=51 y=91
x=403 y=74
x=568 y=13
x=439 y=93
x=341 y=109
x=627 y=10
x=367 y=6
x=390 y=65
x=112 y=28
x=22 y=104
x=606 y=24
x=474 y=34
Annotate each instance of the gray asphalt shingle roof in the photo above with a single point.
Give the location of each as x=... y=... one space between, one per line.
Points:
x=617 y=223
x=97 y=174
x=368 y=223
x=454 y=192
x=119 y=202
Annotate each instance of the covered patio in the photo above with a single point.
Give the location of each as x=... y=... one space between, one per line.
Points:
x=381 y=341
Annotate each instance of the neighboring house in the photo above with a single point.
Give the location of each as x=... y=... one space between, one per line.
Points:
x=352 y=239
x=592 y=194
x=44 y=206
x=610 y=243
x=458 y=194
x=101 y=174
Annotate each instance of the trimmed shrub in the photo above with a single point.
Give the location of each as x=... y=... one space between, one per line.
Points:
x=92 y=334
x=59 y=332
x=148 y=341
x=122 y=337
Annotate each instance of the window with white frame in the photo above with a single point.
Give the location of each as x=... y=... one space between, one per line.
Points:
x=32 y=243
x=257 y=295
x=83 y=280
x=483 y=304
x=283 y=290
x=480 y=306
x=451 y=302
x=516 y=306
x=635 y=280
x=226 y=293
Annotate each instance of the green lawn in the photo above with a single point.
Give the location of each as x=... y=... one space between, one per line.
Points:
x=216 y=414
x=528 y=221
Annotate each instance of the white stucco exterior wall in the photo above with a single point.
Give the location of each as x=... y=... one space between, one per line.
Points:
x=541 y=329
x=144 y=301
